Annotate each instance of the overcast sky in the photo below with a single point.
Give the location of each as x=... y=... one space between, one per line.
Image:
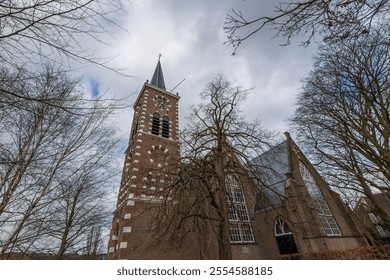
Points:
x=190 y=36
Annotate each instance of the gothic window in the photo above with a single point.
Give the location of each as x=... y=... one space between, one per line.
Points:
x=156 y=124
x=281 y=228
x=240 y=230
x=328 y=222
x=374 y=219
x=284 y=238
x=382 y=231
x=165 y=127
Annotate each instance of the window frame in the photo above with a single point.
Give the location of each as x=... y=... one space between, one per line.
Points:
x=165 y=127
x=328 y=222
x=155 y=129
x=240 y=228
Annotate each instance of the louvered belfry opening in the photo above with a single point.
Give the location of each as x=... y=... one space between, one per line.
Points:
x=165 y=127
x=156 y=124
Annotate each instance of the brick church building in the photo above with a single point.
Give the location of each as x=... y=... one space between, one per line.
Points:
x=296 y=213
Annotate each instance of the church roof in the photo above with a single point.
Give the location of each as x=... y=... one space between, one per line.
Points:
x=272 y=165
x=158 y=77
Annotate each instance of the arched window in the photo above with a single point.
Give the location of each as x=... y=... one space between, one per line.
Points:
x=281 y=228
x=284 y=238
x=165 y=127
x=328 y=222
x=240 y=230
x=156 y=124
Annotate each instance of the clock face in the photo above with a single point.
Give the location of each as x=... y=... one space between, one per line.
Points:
x=161 y=102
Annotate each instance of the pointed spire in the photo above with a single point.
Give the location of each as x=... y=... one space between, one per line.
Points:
x=158 y=77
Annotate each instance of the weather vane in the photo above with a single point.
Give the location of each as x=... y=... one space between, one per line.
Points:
x=159 y=56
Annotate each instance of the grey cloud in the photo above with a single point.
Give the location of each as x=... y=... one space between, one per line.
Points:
x=190 y=36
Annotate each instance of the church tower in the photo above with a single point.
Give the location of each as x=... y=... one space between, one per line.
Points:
x=151 y=155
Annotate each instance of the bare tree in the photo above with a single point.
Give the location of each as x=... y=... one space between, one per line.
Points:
x=93 y=244
x=79 y=208
x=217 y=146
x=34 y=30
x=334 y=19
x=343 y=114
x=55 y=166
x=34 y=33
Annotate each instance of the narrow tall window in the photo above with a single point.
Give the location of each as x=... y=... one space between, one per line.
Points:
x=156 y=124
x=240 y=228
x=134 y=130
x=328 y=222
x=165 y=127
